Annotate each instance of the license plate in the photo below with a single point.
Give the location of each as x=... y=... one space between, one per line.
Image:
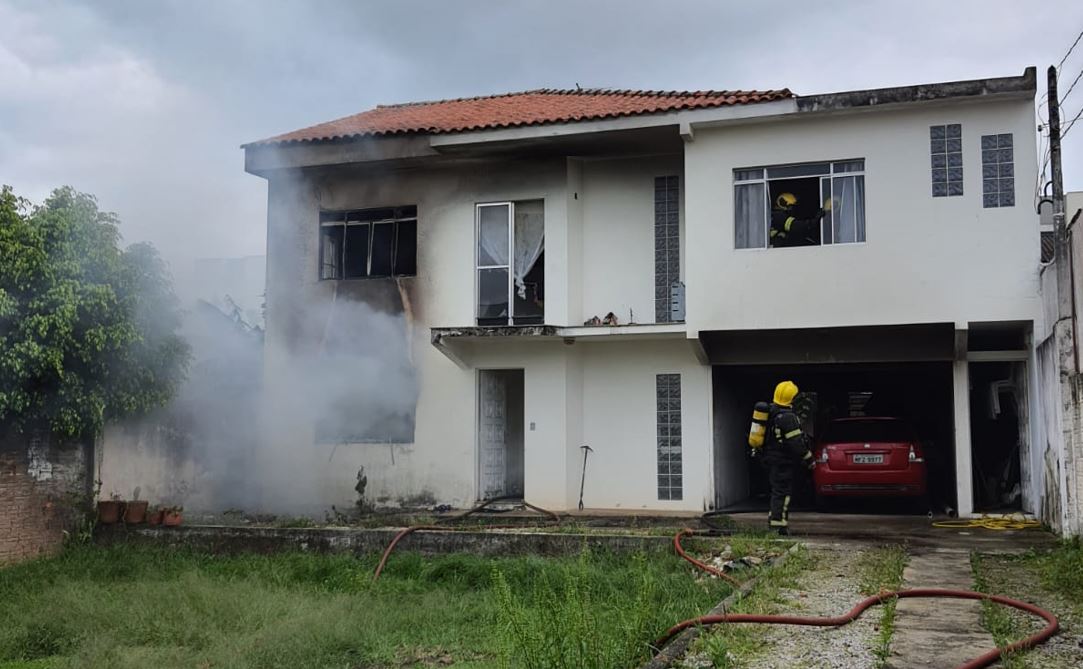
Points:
x=868 y=459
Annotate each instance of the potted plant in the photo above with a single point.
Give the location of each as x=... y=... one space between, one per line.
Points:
x=109 y=510
x=171 y=516
x=154 y=516
x=135 y=511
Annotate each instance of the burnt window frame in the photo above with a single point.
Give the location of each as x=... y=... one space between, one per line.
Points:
x=400 y=217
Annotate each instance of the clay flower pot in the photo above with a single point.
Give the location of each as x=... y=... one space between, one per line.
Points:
x=109 y=511
x=135 y=512
x=171 y=518
x=155 y=518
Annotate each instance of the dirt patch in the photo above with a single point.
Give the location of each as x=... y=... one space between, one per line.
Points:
x=829 y=583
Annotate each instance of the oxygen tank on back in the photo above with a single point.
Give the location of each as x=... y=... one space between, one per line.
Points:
x=758 y=430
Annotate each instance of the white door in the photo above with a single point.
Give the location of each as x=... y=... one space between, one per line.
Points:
x=492 y=433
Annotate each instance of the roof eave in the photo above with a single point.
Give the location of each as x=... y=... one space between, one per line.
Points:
x=266 y=159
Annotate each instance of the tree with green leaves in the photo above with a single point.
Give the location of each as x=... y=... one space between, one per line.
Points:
x=88 y=330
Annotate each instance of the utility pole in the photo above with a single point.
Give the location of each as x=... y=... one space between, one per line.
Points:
x=1060 y=234
x=1065 y=328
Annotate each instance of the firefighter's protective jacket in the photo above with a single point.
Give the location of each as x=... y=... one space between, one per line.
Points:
x=786 y=443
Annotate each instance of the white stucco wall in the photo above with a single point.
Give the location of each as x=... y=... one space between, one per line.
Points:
x=618 y=236
x=439 y=463
x=619 y=422
x=573 y=394
x=925 y=259
x=601 y=394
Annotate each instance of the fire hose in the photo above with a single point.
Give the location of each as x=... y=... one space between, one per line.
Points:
x=552 y=520
x=853 y=614
x=1015 y=521
x=983 y=660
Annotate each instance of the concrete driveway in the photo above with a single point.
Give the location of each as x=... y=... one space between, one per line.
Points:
x=917 y=532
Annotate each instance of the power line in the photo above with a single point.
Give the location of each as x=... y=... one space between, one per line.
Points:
x=1068 y=126
x=1069 y=91
x=1080 y=36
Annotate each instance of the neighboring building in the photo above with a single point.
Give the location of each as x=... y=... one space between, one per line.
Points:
x=1060 y=383
x=464 y=243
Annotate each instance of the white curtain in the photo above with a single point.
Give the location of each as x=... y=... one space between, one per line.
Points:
x=529 y=240
x=493 y=236
x=750 y=216
x=848 y=213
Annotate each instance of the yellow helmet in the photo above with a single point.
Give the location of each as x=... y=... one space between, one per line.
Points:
x=785 y=200
x=785 y=392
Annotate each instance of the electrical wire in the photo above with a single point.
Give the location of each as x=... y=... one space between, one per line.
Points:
x=1070 y=124
x=1069 y=91
x=1078 y=37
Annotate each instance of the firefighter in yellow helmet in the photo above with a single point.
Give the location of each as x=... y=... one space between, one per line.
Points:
x=785 y=450
x=789 y=230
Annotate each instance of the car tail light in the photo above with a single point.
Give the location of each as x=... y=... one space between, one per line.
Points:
x=914 y=456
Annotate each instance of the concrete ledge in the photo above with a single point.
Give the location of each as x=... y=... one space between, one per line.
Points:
x=220 y=539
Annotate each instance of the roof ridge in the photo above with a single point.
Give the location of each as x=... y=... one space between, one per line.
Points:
x=636 y=92
x=492 y=96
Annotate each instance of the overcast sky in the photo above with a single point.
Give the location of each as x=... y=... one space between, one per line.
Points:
x=146 y=103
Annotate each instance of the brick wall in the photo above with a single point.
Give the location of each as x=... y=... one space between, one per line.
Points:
x=40 y=480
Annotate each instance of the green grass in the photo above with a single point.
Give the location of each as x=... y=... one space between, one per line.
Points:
x=130 y=606
x=995 y=618
x=1061 y=569
x=730 y=646
x=1060 y=573
x=882 y=569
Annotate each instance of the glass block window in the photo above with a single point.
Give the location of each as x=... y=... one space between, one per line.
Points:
x=946 y=149
x=670 y=473
x=997 y=171
x=667 y=244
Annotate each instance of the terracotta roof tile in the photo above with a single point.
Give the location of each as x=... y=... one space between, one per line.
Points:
x=512 y=110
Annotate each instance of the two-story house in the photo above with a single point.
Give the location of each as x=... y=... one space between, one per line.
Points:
x=483 y=286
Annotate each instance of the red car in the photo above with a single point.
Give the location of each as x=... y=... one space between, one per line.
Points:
x=859 y=457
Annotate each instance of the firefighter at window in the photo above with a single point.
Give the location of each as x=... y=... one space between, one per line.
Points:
x=785 y=452
x=789 y=230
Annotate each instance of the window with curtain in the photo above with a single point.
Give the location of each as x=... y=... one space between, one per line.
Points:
x=511 y=263
x=828 y=205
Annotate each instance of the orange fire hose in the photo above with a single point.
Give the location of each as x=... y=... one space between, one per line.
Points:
x=983 y=660
x=552 y=519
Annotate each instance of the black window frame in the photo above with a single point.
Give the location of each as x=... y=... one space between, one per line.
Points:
x=403 y=254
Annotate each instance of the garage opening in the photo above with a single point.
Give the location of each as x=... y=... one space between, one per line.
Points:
x=918 y=394
x=997 y=434
x=500 y=433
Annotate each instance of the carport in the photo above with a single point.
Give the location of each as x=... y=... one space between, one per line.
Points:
x=928 y=374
